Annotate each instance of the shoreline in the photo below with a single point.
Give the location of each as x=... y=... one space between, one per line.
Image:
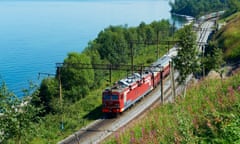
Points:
x=187 y=17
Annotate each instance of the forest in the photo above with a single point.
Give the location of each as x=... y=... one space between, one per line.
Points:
x=196 y=8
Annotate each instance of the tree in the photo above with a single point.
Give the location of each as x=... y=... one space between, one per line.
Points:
x=197 y=8
x=234 y=6
x=92 y=52
x=113 y=45
x=76 y=81
x=186 y=62
x=17 y=117
x=218 y=60
x=215 y=60
x=149 y=34
x=48 y=94
x=141 y=32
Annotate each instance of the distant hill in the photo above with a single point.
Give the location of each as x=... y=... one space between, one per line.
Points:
x=197 y=8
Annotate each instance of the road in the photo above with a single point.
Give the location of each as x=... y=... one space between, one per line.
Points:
x=102 y=128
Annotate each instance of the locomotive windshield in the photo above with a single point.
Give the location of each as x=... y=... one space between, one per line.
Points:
x=110 y=97
x=106 y=97
x=114 y=97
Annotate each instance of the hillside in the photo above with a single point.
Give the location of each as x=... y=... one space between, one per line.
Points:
x=228 y=38
x=210 y=113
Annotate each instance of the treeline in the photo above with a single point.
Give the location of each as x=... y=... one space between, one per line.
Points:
x=112 y=46
x=197 y=8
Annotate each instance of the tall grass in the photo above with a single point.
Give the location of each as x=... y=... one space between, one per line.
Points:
x=210 y=113
x=228 y=37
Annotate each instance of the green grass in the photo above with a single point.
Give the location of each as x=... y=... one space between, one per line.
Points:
x=228 y=37
x=210 y=113
x=231 y=17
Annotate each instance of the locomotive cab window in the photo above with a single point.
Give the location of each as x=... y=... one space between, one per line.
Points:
x=106 y=97
x=114 y=97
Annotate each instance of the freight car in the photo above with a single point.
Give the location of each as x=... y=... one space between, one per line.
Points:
x=126 y=92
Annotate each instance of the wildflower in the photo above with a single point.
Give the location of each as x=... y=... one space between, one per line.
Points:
x=230 y=90
x=132 y=140
x=117 y=136
x=195 y=122
x=209 y=123
x=238 y=88
x=143 y=132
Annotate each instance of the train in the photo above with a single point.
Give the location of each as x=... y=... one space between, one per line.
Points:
x=129 y=90
x=211 y=16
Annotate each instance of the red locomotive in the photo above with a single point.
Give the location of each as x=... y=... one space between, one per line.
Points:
x=128 y=91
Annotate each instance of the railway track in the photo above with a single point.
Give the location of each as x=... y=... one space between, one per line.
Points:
x=102 y=128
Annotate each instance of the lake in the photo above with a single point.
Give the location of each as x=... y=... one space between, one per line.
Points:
x=34 y=35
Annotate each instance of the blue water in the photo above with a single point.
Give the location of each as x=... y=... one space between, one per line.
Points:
x=34 y=35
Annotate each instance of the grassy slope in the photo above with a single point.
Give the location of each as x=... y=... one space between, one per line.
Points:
x=229 y=37
x=209 y=112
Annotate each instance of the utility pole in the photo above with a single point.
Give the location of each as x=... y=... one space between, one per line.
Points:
x=162 y=93
x=60 y=92
x=60 y=96
x=132 y=55
x=203 y=51
x=110 y=74
x=173 y=27
x=172 y=79
x=157 y=44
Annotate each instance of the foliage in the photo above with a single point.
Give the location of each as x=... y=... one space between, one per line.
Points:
x=234 y=6
x=48 y=93
x=186 y=61
x=217 y=60
x=99 y=75
x=214 y=59
x=112 y=45
x=197 y=8
x=210 y=113
x=17 y=117
x=228 y=37
x=76 y=82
